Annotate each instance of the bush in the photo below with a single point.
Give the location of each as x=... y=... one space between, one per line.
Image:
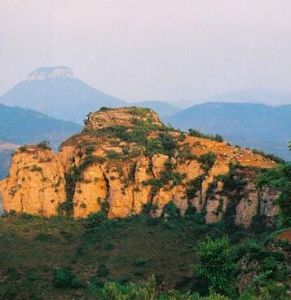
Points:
x=64 y=279
x=196 y=133
x=95 y=219
x=139 y=262
x=44 y=145
x=102 y=270
x=207 y=160
x=145 y=290
x=89 y=149
x=113 y=155
x=171 y=211
x=216 y=264
x=194 y=186
x=280 y=179
x=273 y=157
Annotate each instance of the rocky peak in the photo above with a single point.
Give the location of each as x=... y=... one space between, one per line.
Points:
x=50 y=73
x=127 y=117
x=126 y=159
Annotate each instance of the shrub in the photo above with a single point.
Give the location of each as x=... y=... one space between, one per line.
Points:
x=196 y=133
x=95 y=219
x=207 y=160
x=273 y=157
x=44 y=145
x=216 y=263
x=36 y=168
x=171 y=211
x=113 y=155
x=194 y=186
x=89 y=149
x=139 y=262
x=102 y=270
x=280 y=179
x=23 y=148
x=63 y=278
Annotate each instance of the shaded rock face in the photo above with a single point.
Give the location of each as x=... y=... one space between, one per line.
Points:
x=126 y=159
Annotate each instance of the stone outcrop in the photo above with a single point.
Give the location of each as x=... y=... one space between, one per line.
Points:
x=35 y=184
x=126 y=159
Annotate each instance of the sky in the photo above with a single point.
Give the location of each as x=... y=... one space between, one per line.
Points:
x=174 y=50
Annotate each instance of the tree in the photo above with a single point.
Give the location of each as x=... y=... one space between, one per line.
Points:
x=280 y=179
x=216 y=264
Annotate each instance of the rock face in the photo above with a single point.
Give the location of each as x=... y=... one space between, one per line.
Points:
x=36 y=183
x=125 y=160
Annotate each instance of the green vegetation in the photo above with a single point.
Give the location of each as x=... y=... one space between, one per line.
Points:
x=273 y=157
x=194 y=186
x=207 y=160
x=167 y=176
x=280 y=178
x=73 y=176
x=216 y=264
x=97 y=258
x=113 y=155
x=139 y=111
x=196 y=133
x=44 y=145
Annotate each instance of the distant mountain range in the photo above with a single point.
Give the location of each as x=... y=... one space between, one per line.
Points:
x=258 y=126
x=261 y=96
x=18 y=125
x=243 y=117
x=23 y=126
x=56 y=92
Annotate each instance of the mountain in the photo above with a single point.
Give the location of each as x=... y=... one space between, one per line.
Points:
x=23 y=126
x=126 y=159
x=164 y=109
x=258 y=126
x=262 y=96
x=56 y=92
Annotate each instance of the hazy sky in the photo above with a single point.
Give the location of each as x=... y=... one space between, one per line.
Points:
x=177 y=50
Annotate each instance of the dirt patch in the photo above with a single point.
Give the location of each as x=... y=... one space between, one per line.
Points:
x=285 y=235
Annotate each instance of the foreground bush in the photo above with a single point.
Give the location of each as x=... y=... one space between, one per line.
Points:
x=145 y=290
x=216 y=264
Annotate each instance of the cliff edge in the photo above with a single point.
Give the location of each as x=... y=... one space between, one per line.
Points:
x=126 y=160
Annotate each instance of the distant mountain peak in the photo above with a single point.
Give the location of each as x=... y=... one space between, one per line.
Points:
x=51 y=72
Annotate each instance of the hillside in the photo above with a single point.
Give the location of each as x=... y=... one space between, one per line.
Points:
x=23 y=126
x=257 y=126
x=62 y=258
x=129 y=198
x=126 y=159
x=56 y=92
x=20 y=126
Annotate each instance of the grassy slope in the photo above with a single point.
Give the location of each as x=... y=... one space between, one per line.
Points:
x=31 y=248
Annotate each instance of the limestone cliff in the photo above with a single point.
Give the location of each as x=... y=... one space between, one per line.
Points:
x=126 y=159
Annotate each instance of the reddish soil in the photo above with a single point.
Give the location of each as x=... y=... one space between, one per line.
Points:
x=285 y=235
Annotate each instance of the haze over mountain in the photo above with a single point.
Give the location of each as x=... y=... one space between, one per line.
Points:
x=257 y=126
x=164 y=109
x=56 y=92
x=23 y=126
x=263 y=96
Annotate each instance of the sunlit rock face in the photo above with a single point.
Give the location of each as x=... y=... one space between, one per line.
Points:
x=126 y=159
x=51 y=72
